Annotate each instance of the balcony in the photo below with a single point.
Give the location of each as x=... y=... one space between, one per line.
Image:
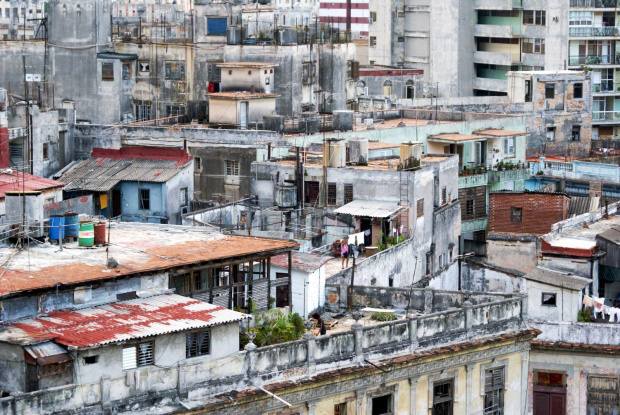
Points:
x=594 y=60
x=497 y=58
x=489 y=84
x=606 y=88
x=474 y=225
x=514 y=175
x=601 y=31
x=596 y=4
x=472 y=180
x=603 y=117
x=493 y=30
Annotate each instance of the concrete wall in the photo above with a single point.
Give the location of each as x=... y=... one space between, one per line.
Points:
x=512 y=254
x=12 y=368
x=568 y=302
x=243 y=79
x=476 y=277
x=131 y=208
x=183 y=180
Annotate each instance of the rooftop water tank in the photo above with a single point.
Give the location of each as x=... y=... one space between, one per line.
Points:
x=334 y=153
x=410 y=154
x=358 y=150
x=286 y=196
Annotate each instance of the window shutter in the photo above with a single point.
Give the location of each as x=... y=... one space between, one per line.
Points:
x=145 y=354
x=129 y=357
x=211 y=26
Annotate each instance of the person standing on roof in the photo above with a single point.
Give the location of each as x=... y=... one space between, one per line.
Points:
x=344 y=251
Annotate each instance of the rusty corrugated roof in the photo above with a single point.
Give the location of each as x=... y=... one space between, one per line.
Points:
x=18 y=181
x=118 y=322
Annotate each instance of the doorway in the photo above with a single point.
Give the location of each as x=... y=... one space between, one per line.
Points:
x=243 y=115
x=366 y=225
x=116 y=203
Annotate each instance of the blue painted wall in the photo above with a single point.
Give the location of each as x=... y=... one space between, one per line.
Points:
x=130 y=202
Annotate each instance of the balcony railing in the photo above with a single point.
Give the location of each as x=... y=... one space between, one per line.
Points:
x=593 y=31
x=600 y=4
x=516 y=174
x=605 y=116
x=594 y=60
x=606 y=88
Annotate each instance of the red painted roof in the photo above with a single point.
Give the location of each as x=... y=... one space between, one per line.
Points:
x=15 y=182
x=563 y=159
x=585 y=249
x=121 y=321
x=152 y=153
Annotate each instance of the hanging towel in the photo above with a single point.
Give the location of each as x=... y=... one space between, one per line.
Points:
x=598 y=306
x=587 y=301
x=357 y=238
x=613 y=313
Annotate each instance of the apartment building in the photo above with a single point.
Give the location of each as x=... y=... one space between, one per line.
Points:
x=17 y=18
x=592 y=46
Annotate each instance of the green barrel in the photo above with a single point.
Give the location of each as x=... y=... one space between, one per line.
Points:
x=86 y=234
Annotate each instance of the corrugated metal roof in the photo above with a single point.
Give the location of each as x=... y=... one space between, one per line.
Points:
x=304 y=262
x=369 y=208
x=557 y=278
x=47 y=353
x=102 y=174
x=581 y=205
x=15 y=182
x=121 y=321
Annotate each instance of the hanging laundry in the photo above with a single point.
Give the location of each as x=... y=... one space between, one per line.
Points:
x=598 y=306
x=614 y=315
x=587 y=301
x=356 y=238
x=367 y=232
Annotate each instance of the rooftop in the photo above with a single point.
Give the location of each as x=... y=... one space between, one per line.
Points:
x=18 y=181
x=247 y=65
x=455 y=137
x=106 y=168
x=612 y=235
x=376 y=145
x=500 y=133
x=593 y=229
x=117 y=322
x=240 y=95
x=557 y=278
x=138 y=248
x=304 y=262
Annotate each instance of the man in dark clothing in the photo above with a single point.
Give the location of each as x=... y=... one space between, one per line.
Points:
x=322 y=329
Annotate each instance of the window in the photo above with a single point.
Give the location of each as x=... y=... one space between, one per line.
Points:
x=373 y=17
x=387 y=88
x=308 y=73
x=550 y=133
x=232 y=168
x=443 y=396
x=145 y=199
x=7 y=13
x=198 y=344
x=429 y=263
x=144 y=66
x=361 y=88
x=138 y=355
x=603 y=395
x=580 y=18
x=400 y=39
x=535 y=17
x=549 y=91
x=175 y=70
x=444 y=195
x=576 y=133
x=331 y=194
x=534 y=46
x=107 y=71
x=469 y=207
x=578 y=91
x=348 y=193
x=46 y=151
x=373 y=41
x=127 y=70
x=509 y=147
x=49 y=201
x=183 y=196
x=420 y=208
x=197 y=163
x=494 y=391
x=353 y=70
x=216 y=26
x=91 y=360
x=549 y=299
x=340 y=409
x=516 y=214
x=175 y=110
x=382 y=405
x=143 y=112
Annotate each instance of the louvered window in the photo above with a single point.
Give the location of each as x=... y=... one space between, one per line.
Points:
x=331 y=194
x=494 y=391
x=198 y=344
x=136 y=355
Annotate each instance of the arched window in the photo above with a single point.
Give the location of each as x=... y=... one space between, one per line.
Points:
x=361 y=88
x=409 y=89
x=387 y=88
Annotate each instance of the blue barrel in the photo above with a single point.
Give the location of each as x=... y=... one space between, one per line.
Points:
x=71 y=225
x=57 y=227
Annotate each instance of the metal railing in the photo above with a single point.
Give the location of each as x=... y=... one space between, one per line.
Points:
x=600 y=4
x=594 y=60
x=558 y=165
x=606 y=87
x=605 y=115
x=593 y=31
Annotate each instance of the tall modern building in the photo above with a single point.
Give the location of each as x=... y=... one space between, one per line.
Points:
x=594 y=45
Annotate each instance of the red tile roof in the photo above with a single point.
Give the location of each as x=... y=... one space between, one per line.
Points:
x=15 y=182
x=117 y=322
x=151 y=153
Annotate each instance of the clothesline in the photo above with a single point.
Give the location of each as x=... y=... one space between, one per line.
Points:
x=598 y=307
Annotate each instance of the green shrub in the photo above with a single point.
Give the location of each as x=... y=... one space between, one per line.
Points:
x=273 y=327
x=584 y=316
x=380 y=316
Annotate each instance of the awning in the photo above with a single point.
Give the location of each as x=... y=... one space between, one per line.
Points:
x=455 y=138
x=46 y=353
x=369 y=208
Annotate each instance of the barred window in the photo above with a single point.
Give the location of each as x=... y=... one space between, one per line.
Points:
x=348 y=193
x=198 y=344
x=232 y=168
x=175 y=70
x=494 y=391
x=331 y=194
x=107 y=71
x=137 y=355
